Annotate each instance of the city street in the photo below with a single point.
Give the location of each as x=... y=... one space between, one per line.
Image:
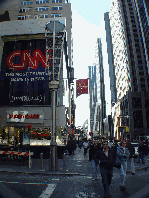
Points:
x=66 y=185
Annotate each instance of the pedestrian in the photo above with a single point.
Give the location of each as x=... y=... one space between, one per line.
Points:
x=69 y=147
x=80 y=144
x=131 y=155
x=122 y=157
x=92 y=152
x=85 y=145
x=145 y=152
x=106 y=161
x=140 y=149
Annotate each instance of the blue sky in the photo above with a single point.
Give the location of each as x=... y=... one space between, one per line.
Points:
x=91 y=10
x=87 y=20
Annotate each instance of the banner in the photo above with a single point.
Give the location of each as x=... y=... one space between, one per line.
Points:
x=81 y=87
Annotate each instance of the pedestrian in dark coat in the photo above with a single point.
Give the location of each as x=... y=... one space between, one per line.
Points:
x=106 y=161
x=145 y=152
x=140 y=149
x=92 y=153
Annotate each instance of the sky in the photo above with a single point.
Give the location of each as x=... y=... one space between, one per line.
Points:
x=87 y=26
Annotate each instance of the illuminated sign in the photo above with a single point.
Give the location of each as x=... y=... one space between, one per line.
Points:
x=27 y=58
x=27 y=116
x=24 y=79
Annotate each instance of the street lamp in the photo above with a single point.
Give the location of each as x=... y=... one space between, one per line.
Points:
x=55 y=27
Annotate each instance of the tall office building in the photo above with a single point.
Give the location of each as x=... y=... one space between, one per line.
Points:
x=100 y=85
x=25 y=60
x=37 y=9
x=130 y=113
x=94 y=106
x=142 y=7
x=110 y=59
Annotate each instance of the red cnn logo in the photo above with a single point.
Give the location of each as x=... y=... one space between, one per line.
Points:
x=27 y=58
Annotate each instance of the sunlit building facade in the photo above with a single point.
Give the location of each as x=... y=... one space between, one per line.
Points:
x=130 y=113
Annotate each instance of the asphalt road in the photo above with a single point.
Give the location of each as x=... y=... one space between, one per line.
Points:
x=34 y=186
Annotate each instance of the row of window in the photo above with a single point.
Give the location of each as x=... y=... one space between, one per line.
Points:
x=39 y=2
x=38 y=16
x=40 y=9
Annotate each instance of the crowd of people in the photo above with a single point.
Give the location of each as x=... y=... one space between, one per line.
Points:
x=109 y=154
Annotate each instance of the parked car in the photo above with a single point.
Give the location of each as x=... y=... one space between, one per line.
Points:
x=135 y=144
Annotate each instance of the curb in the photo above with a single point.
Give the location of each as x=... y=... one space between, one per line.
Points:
x=58 y=173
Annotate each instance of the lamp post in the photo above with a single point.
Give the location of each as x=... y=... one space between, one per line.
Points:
x=54 y=26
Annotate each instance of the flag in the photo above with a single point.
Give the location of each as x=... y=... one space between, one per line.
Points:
x=81 y=87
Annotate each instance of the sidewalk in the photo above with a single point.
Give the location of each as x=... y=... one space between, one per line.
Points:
x=77 y=164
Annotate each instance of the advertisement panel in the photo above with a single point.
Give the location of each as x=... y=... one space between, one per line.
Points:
x=23 y=78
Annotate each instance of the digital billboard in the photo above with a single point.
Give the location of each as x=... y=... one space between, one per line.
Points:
x=23 y=77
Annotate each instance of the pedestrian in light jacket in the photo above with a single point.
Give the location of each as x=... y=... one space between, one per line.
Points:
x=122 y=157
x=106 y=159
x=131 y=155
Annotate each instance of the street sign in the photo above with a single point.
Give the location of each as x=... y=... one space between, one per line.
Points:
x=127 y=129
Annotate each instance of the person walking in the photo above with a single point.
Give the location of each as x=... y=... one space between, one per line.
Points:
x=140 y=149
x=80 y=144
x=131 y=155
x=122 y=157
x=92 y=152
x=85 y=145
x=145 y=152
x=106 y=159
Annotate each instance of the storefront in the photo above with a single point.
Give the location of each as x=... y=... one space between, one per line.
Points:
x=14 y=126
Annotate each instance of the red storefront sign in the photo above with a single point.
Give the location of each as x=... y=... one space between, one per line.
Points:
x=27 y=116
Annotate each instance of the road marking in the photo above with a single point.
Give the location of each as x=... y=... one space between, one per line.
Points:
x=48 y=191
x=23 y=183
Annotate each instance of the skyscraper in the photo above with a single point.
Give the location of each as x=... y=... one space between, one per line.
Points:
x=132 y=80
x=94 y=106
x=100 y=86
x=110 y=59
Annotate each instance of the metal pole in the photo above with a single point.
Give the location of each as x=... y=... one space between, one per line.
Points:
x=53 y=136
x=53 y=45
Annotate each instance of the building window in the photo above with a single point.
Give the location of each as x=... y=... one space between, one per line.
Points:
x=24 y=17
x=56 y=15
x=138 y=119
x=40 y=9
x=57 y=8
x=26 y=3
x=25 y=10
x=56 y=1
x=133 y=21
x=39 y=16
x=135 y=35
x=42 y=1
